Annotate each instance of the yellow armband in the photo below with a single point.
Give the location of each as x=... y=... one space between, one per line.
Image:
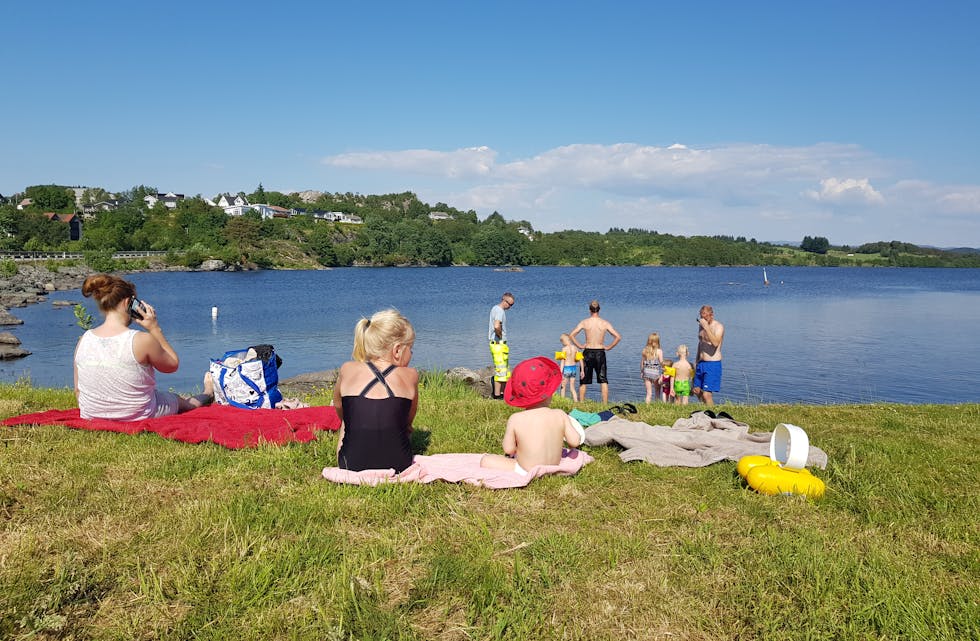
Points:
x=559 y=356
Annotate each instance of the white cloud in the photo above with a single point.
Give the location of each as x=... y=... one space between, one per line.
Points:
x=461 y=163
x=943 y=199
x=848 y=190
x=759 y=191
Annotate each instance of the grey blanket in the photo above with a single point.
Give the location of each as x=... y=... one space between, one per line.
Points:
x=691 y=442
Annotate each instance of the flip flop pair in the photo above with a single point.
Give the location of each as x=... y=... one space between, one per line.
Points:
x=625 y=408
x=711 y=414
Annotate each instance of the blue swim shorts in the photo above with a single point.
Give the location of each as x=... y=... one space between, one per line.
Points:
x=707 y=376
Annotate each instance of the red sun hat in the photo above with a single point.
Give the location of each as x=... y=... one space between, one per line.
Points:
x=532 y=381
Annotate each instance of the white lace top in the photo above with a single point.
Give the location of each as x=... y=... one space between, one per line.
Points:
x=111 y=382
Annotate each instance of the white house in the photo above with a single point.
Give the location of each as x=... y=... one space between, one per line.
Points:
x=439 y=215
x=227 y=200
x=169 y=199
x=272 y=211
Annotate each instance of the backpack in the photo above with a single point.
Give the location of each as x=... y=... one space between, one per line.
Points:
x=247 y=378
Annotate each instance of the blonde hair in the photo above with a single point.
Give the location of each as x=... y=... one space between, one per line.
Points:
x=682 y=349
x=374 y=337
x=107 y=290
x=565 y=338
x=653 y=344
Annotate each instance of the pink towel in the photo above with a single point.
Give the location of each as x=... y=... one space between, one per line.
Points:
x=457 y=468
x=228 y=426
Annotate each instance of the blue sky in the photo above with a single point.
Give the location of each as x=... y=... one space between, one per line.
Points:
x=770 y=120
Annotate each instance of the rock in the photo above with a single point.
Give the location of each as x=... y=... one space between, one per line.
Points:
x=62 y=303
x=49 y=287
x=308 y=383
x=213 y=265
x=479 y=380
x=6 y=318
x=6 y=338
x=462 y=374
x=9 y=351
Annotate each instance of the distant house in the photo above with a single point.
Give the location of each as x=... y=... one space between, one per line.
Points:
x=527 y=232
x=27 y=202
x=336 y=217
x=74 y=222
x=104 y=205
x=169 y=199
x=227 y=200
x=273 y=211
x=350 y=218
x=439 y=215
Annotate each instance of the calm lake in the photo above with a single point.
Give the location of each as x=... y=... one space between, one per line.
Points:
x=815 y=335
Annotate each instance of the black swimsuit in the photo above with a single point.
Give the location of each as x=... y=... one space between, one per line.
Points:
x=376 y=429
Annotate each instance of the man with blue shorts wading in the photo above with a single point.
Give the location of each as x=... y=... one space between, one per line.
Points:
x=707 y=371
x=499 y=351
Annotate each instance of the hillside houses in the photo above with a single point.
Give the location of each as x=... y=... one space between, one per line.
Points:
x=74 y=222
x=169 y=200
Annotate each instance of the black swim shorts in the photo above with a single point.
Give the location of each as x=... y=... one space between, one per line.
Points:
x=595 y=361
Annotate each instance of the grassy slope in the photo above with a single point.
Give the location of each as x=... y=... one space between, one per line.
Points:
x=109 y=536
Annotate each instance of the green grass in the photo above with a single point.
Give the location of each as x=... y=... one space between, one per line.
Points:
x=107 y=536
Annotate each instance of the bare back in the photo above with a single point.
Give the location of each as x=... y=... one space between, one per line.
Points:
x=538 y=436
x=595 y=328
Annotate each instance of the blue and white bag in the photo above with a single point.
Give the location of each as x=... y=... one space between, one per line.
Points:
x=244 y=379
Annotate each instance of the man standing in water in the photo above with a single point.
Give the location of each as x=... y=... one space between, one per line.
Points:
x=707 y=371
x=594 y=350
x=499 y=351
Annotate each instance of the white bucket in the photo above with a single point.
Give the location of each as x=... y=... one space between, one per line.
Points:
x=789 y=446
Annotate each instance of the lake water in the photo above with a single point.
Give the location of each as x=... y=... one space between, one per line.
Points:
x=816 y=335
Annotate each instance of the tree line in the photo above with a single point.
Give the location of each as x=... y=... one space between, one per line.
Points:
x=396 y=230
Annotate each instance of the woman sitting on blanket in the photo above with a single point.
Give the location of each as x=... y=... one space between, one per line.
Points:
x=376 y=395
x=115 y=365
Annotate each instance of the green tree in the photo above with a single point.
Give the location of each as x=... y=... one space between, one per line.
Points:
x=243 y=233
x=500 y=246
x=51 y=198
x=815 y=244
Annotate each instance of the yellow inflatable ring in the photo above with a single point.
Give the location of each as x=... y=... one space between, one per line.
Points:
x=746 y=463
x=772 y=480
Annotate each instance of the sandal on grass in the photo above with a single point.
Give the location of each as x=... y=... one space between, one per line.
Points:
x=629 y=407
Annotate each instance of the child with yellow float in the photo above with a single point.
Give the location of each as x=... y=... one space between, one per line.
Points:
x=784 y=470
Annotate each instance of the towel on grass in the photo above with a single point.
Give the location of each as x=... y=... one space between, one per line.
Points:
x=691 y=442
x=222 y=424
x=456 y=468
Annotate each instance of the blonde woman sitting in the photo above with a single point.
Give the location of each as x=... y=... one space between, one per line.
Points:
x=376 y=395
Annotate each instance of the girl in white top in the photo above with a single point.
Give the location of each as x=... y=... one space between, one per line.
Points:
x=115 y=365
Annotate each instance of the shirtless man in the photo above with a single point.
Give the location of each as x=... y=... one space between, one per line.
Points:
x=536 y=435
x=707 y=371
x=594 y=350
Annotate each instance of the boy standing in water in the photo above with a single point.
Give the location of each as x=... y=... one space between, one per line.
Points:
x=571 y=366
x=682 y=376
x=536 y=435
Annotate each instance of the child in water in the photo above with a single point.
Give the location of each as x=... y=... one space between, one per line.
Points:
x=667 y=382
x=682 y=376
x=570 y=361
x=651 y=366
x=536 y=435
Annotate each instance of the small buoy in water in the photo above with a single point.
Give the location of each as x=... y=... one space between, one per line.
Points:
x=214 y=312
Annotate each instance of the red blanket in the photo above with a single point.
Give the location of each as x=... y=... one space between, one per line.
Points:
x=229 y=426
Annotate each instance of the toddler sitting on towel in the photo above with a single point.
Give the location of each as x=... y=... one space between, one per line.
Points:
x=534 y=436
